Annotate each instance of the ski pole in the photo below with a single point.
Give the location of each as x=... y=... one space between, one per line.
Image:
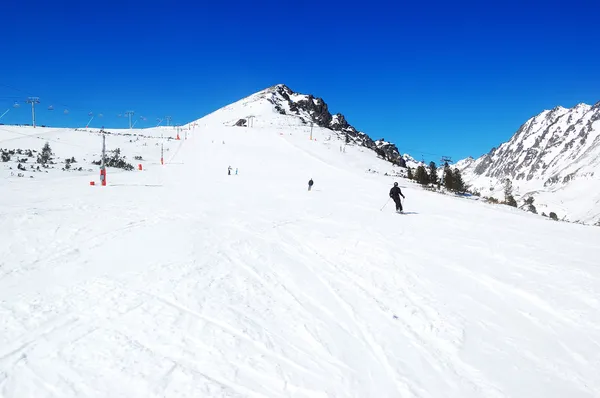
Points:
x=385 y=204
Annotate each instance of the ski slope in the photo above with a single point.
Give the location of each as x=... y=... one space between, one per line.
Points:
x=183 y=281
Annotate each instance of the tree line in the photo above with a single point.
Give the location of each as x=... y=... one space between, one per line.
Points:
x=451 y=179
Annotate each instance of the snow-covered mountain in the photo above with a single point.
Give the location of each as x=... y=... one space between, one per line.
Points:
x=302 y=110
x=554 y=157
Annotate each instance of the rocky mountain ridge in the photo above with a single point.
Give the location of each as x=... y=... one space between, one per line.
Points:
x=312 y=109
x=556 y=152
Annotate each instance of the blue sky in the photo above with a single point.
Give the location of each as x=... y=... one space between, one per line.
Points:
x=437 y=78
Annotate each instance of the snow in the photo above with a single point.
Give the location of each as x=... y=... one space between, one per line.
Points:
x=295 y=97
x=182 y=281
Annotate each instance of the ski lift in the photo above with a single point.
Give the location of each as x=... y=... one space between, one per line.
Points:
x=66 y=111
x=91 y=114
x=16 y=105
x=51 y=108
x=100 y=115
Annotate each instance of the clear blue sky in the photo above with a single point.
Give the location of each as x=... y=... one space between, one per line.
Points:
x=437 y=78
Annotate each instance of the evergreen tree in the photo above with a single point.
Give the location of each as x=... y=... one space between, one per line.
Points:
x=421 y=175
x=433 y=177
x=553 y=216
x=448 y=180
x=46 y=155
x=510 y=200
x=508 y=190
x=409 y=173
x=458 y=184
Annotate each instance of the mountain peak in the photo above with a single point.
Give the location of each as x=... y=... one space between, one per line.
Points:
x=279 y=87
x=555 y=151
x=280 y=105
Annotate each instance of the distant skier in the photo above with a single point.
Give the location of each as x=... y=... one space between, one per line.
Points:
x=310 y=184
x=236 y=170
x=229 y=170
x=395 y=194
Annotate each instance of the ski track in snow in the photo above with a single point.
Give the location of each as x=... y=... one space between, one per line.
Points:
x=181 y=281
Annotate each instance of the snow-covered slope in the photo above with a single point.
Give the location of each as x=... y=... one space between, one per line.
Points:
x=554 y=157
x=21 y=146
x=279 y=106
x=183 y=281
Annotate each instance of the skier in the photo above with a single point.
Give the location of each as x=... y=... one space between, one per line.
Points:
x=236 y=171
x=395 y=194
x=310 y=184
x=229 y=170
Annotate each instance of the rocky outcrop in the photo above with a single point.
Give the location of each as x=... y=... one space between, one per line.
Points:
x=315 y=110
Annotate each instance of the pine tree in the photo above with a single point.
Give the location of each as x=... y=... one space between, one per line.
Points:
x=458 y=184
x=433 y=177
x=421 y=175
x=509 y=199
x=46 y=155
x=508 y=189
x=553 y=216
x=409 y=174
x=448 y=180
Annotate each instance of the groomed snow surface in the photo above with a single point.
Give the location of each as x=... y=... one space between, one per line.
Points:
x=183 y=281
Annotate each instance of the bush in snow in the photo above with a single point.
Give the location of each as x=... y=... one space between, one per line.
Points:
x=5 y=156
x=530 y=206
x=69 y=163
x=116 y=161
x=553 y=216
x=510 y=200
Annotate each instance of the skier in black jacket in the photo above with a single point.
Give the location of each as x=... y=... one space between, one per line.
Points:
x=395 y=194
x=310 y=184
